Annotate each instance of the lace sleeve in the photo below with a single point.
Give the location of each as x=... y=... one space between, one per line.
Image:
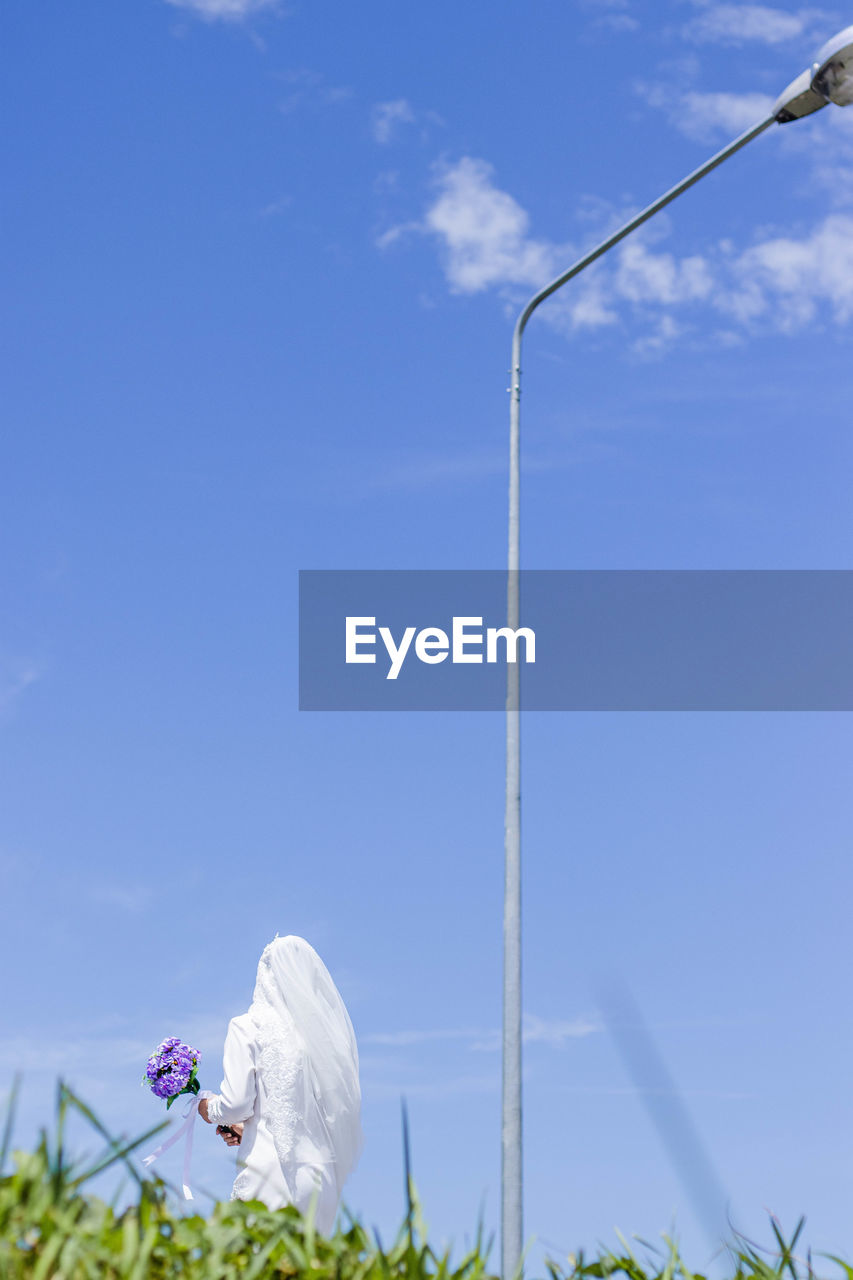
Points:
x=235 y=1101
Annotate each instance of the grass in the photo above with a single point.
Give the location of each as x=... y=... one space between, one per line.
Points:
x=53 y=1228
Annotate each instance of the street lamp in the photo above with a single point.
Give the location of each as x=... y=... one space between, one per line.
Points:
x=829 y=79
x=833 y=73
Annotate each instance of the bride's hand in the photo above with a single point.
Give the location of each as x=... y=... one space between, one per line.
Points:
x=231 y=1139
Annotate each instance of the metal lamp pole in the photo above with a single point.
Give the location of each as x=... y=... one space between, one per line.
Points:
x=830 y=78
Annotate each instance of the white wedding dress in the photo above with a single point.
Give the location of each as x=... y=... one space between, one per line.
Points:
x=290 y=1076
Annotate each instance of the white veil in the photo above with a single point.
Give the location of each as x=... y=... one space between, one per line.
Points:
x=307 y=1060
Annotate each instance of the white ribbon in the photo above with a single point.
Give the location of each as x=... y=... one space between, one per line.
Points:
x=186 y=1128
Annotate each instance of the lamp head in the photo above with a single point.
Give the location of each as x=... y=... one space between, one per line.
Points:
x=799 y=99
x=833 y=72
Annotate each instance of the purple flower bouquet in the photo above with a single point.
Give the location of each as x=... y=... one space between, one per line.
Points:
x=173 y=1070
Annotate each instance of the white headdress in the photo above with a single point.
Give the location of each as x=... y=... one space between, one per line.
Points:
x=308 y=1059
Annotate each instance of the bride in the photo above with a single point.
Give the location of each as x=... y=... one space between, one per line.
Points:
x=290 y=1096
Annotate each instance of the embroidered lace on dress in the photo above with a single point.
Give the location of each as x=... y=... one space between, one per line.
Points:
x=280 y=1063
x=244 y=1185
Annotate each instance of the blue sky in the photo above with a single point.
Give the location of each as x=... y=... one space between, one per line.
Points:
x=263 y=262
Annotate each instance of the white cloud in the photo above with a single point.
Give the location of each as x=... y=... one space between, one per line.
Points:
x=824 y=143
x=388 y=116
x=589 y=306
x=825 y=154
x=705 y=115
x=659 y=335
x=700 y=114
x=224 y=10
x=777 y=284
x=645 y=277
x=789 y=282
x=736 y=24
x=483 y=231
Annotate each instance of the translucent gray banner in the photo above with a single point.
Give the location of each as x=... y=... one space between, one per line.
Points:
x=589 y=640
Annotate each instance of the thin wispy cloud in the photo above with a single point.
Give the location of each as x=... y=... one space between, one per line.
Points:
x=388 y=117
x=626 y=1091
x=535 y=1030
x=105 y=1051
x=738 y=24
x=225 y=10
x=617 y=22
x=309 y=88
x=276 y=207
x=435 y=1089
x=612 y=15
x=555 y=1031
x=16 y=676
x=130 y=898
x=395 y=1072
x=60 y=1055
x=402 y=1039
